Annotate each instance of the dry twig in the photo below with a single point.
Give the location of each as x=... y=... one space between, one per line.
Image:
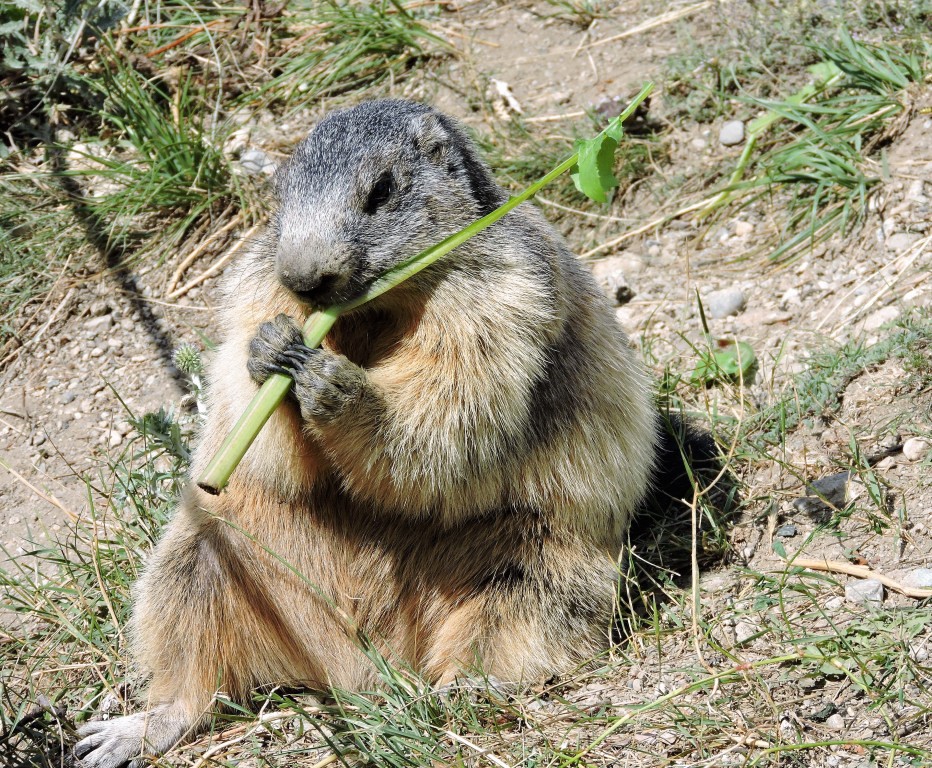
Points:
x=216 y=266
x=861 y=572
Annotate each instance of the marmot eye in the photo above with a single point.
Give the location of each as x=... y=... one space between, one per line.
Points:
x=381 y=191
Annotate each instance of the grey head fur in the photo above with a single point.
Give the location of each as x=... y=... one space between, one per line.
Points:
x=368 y=188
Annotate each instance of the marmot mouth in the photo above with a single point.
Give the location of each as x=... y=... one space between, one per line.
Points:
x=332 y=290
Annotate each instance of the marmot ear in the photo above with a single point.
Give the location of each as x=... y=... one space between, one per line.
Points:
x=431 y=138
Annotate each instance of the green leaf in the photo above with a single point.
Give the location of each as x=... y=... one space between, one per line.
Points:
x=592 y=173
x=779 y=548
x=732 y=361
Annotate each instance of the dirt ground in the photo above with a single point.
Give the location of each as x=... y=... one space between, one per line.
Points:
x=106 y=351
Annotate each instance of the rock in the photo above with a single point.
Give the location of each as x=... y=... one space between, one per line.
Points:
x=728 y=301
x=98 y=325
x=610 y=276
x=834 y=603
x=98 y=307
x=916 y=191
x=115 y=439
x=787 y=531
x=66 y=397
x=732 y=133
x=698 y=144
x=745 y=630
x=880 y=318
x=255 y=161
x=867 y=592
x=900 y=241
x=743 y=228
x=916 y=448
x=919 y=578
x=791 y=297
x=831 y=490
x=836 y=722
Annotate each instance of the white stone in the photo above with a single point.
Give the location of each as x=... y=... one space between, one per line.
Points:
x=725 y=302
x=732 y=133
x=745 y=630
x=880 y=318
x=916 y=191
x=919 y=578
x=864 y=592
x=836 y=722
x=901 y=241
x=743 y=229
x=99 y=324
x=255 y=161
x=916 y=448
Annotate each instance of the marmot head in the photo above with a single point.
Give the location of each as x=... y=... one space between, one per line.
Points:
x=370 y=187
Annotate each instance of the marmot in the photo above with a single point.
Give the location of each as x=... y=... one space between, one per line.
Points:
x=453 y=474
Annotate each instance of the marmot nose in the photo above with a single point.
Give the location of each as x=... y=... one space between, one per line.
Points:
x=314 y=289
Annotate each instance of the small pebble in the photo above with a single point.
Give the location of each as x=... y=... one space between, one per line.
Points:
x=728 y=301
x=98 y=307
x=834 y=603
x=255 y=161
x=919 y=578
x=836 y=722
x=66 y=397
x=832 y=488
x=732 y=133
x=916 y=448
x=901 y=241
x=918 y=653
x=916 y=191
x=743 y=228
x=787 y=531
x=98 y=325
x=864 y=592
x=745 y=630
x=880 y=318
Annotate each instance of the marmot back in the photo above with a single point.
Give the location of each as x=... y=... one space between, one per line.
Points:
x=453 y=474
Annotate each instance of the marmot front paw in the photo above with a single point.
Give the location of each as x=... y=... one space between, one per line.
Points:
x=324 y=383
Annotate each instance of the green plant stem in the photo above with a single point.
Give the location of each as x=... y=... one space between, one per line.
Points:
x=273 y=391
